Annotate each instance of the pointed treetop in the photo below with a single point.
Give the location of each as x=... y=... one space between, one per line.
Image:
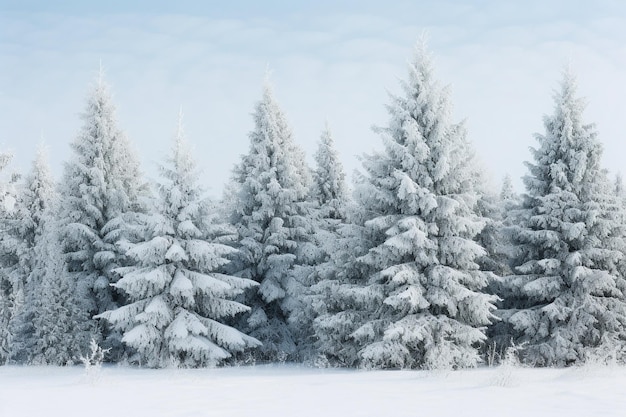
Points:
x=326 y=144
x=268 y=73
x=41 y=153
x=569 y=154
x=268 y=87
x=507 y=192
x=569 y=64
x=41 y=168
x=327 y=134
x=182 y=158
x=99 y=95
x=329 y=177
x=568 y=89
x=421 y=45
x=101 y=75
x=570 y=108
x=422 y=57
x=180 y=131
x=180 y=150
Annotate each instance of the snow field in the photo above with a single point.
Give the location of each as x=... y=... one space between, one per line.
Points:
x=283 y=390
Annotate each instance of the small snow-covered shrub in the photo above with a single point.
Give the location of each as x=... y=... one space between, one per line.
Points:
x=505 y=373
x=321 y=361
x=95 y=357
x=282 y=356
x=93 y=360
x=603 y=358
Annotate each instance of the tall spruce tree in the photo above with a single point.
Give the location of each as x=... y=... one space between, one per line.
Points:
x=270 y=209
x=566 y=297
x=178 y=298
x=101 y=197
x=419 y=302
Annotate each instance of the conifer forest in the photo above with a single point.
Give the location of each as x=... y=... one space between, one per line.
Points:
x=415 y=264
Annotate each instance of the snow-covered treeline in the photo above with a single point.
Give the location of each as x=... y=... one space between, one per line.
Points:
x=420 y=266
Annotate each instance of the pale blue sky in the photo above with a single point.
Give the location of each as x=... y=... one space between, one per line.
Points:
x=330 y=60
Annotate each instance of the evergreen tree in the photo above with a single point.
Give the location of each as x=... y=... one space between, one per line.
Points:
x=329 y=186
x=566 y=297
x=339 y=300
x=511 y=215
x=32 y=207
x=178 y=298
x=500 y=211
x=502 y=252
x=419 y=302
x=270 y=210
x=101 y=198
x=507 y=192
x=329 y=213
x=495 y=259
x=62 y=328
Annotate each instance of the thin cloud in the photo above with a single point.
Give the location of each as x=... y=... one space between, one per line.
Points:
x=502 y=70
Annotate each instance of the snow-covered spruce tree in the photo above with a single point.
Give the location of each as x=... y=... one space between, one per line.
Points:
x=421 y=285
x=331 y=200
x=101 y=198
x=329 y=211
x=37 y=194
x=501 y=253
x=269 y=208
x=490 y=207
x=329 y=182
x=341 y=302
x=500 y=211
x=510 y=203
x=61 y=325
x=494 y=237
x=566 y=296
x=508 y=196
x=178 y=298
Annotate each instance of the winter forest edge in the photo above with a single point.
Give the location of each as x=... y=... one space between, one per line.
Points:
x=420 y=265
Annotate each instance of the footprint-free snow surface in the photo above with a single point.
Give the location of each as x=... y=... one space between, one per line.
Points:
x=283 y=390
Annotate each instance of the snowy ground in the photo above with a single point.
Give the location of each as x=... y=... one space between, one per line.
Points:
x=298 y=391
